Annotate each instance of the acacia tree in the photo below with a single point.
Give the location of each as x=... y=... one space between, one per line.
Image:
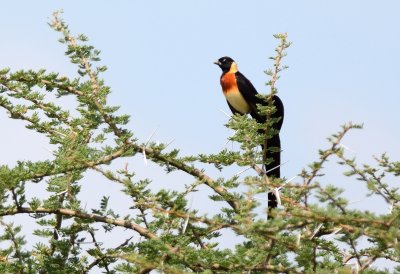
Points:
x=312 y=231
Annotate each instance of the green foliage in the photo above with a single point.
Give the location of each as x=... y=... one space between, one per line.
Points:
x=312 y=231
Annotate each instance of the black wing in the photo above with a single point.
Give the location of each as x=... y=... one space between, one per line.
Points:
x=249 y=93
x=247 y=89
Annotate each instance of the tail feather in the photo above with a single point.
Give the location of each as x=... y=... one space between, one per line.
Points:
x=273 y=168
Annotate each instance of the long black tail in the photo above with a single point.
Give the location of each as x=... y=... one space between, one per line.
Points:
x=273 y=147
x=273 y=168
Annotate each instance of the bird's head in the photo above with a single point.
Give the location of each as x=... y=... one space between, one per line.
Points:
x=226 y=64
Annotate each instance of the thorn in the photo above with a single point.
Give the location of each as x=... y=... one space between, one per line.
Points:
x=87 y=243
x=226 y=143
x=347 y=148
x=185 y=224
x=288 y=181
x=62 y=192
x=240 y=172
x=62 y=134
x=278 y=196
x=187 y=218
x=276 y=167
x=355 y=201
x=144 y=156
x=291 y=179
x=276 y=192
x=58 y=233
x=151 y=136
x=298 y=237
x=336 y=231
x=49 y=150
x=316 y=231
x=145 y=145
x=229 y=116
x=390 y=208
x=169 y=143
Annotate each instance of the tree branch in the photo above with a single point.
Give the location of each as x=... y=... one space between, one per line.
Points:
x=78 y=214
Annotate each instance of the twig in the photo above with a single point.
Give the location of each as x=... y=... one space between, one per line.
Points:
x=14 y=241
x=105 y=256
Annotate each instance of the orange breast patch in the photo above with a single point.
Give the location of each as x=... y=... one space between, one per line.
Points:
x=228 y=82
x=232 y=93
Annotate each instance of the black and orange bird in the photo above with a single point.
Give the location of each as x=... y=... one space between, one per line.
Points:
x=241 y=97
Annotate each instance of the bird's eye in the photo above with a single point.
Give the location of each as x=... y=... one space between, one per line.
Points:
x=223 y=60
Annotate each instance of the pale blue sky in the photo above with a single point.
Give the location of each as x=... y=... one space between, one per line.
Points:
x=343 y=67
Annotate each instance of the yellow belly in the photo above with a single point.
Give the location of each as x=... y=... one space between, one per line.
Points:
x=237 y=101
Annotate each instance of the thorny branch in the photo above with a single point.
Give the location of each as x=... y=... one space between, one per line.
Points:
x=273 y=239
x=73 y=213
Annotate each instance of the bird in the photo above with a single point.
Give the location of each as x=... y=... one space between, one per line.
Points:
x=241 y=97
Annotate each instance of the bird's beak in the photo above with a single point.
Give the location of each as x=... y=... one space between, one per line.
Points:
x=218 y=63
